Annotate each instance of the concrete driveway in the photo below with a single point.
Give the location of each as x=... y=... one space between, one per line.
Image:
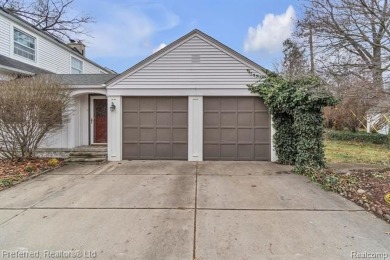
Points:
x=183 y=210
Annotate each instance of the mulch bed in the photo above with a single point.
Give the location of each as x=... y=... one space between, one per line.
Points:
x=365 y=187
x=12 y=172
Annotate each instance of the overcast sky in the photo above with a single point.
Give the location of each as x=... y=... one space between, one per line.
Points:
x=127 y=31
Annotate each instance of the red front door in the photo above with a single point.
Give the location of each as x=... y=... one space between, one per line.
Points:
x=100 y=121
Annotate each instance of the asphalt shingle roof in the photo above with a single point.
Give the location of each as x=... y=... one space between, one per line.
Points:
x=84 y=79
x=8 y=62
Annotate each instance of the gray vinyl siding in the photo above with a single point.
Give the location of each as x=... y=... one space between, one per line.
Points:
x=195 y=63
x=4 y=37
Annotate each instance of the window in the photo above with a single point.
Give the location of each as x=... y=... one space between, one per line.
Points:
x=77 y=66
x=24 y=45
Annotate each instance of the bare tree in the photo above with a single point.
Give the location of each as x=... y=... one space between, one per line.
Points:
x=351 y=36
x=51 y=16
x=31 y=108
x=294 y=61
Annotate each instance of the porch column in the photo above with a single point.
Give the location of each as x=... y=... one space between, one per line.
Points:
x=195 y=128
x=114 y=128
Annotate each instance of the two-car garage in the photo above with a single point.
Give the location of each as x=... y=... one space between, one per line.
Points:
x=234 y=128
x=189 y=101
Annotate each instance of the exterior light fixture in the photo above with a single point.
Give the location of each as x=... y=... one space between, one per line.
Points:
x=112 y=107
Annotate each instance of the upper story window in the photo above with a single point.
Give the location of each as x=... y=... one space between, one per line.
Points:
x=77 y=66
x=24 y=45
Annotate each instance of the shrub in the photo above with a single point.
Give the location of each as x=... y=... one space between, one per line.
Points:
x=357 y=137
x=296 y=107
x=53 y=162
x=31 y=108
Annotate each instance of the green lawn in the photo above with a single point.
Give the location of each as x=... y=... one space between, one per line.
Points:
x=354 y=152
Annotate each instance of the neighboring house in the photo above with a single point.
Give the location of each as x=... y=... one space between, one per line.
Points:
x=188 y=101
x=26 y=50
x=378 y=117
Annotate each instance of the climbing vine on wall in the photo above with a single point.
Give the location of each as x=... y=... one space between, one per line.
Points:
x=296 y=108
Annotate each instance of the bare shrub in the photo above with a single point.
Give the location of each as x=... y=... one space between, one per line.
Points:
x=30 y=108
x=357 y=97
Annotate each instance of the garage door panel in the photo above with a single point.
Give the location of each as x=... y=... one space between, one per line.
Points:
x=163 y=150
x=146 y=134
x=245 y=105
x=211 y=135
x=130 y=118
x=164 y=104
x=227 y=119
x=180 y=119
x=180 y=135
x=211 y=104
x=228 y=151
x=147 y=104
x=235 y=128
x=261 y=151
x=164 y=119
x=228 y=103
x=146 y=150
x=245 y=119
x=245 y=135
x=147 y=118
x=262 y=119
x=180 y=104
x=130 y=150
x=262 y=135
x=163 y=134
x=228 y=135
x=130 y=134
x=212 y=151
x=180 y=151
x=211 y=119
x=155 y=128
x=130 y=105
x=245 y=151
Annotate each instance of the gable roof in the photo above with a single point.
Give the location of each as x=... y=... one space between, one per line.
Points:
x=49 y=37
x=15 y=66
x=179 y=42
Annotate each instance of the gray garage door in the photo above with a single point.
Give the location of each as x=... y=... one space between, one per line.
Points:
x=236 y=128
x=155 y=128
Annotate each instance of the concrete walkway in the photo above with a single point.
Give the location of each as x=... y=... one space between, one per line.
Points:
x=183 y=210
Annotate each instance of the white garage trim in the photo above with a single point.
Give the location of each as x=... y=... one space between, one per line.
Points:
x=195 y=128
x=114 y=130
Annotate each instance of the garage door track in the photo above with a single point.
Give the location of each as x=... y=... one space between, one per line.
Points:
x=183 y=210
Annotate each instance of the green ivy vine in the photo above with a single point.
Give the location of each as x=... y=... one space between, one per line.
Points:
x=296 y=107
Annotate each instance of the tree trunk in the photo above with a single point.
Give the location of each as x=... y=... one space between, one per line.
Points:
x=311 y=50
x=377 y=74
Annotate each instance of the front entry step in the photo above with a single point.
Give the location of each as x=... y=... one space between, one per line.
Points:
x=88 y=154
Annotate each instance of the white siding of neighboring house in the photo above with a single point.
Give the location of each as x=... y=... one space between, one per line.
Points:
x=75 y=132
x=58 y=63
x=50 y=55
x=194 y=64
x=89 y=68
x=4 y=37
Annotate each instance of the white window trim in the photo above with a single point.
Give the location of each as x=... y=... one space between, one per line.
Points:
x=82 y=64
x=12 y=45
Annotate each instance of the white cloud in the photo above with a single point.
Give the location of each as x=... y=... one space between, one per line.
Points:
x=128 y=29
x=162 y=45
x=270 y=34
